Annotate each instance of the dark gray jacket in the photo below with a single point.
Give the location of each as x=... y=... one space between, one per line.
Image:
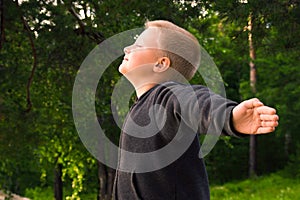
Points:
x=160 y=155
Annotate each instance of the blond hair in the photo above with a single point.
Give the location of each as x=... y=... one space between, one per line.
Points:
x=179 y=45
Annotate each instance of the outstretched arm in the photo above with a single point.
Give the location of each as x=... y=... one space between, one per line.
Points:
x=253 y=117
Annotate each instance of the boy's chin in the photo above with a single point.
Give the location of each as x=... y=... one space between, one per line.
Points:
x=121 y=69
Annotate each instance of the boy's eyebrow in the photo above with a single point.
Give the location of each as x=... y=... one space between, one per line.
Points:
x=138 y=43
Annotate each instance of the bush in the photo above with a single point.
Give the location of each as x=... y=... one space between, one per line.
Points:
x=293 y=168
x=39 y=193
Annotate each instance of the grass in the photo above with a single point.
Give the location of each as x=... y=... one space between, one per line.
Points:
x=271 y=187
x=47 y=194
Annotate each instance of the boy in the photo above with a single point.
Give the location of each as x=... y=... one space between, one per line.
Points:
x=171 y=113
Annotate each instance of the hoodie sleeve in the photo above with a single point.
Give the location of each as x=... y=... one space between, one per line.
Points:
x=202 y=110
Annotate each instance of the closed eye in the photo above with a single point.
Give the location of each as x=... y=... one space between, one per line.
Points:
x=139 y=46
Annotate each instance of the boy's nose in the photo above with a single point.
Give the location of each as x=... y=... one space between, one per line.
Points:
x=130 y=48
x=127 y=49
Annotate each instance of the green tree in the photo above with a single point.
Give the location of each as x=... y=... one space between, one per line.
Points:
x=275 y=24
x=43 y=43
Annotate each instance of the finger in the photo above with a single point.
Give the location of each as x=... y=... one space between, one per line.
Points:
x=263 y=130
x=269 y=124
x=266 y=110
x=252 y=103
x=267 y=117
x=257 y=102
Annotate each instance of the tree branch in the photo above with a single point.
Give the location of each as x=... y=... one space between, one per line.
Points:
x=2 y=35
x=81 y=25
x=30 y=79
x=94 y=36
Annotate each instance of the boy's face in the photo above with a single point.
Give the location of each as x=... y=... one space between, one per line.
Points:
x=142 y=53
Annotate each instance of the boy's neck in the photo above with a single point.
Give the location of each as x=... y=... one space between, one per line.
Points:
x=143 y=89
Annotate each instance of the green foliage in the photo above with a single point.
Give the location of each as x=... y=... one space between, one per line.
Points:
x=233 y=158
x=292 y=170
x=32 y=144
x=39 y=193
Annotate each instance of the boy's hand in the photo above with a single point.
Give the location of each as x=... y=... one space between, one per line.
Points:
x=252 y=117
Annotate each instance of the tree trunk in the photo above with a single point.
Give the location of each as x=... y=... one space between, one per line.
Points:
x=252 y=156
x=58 y=185
x=110 y=181
x=287 y=143
x=253 y=139
x=2 y=36
x=106 y=176
x=102 y=178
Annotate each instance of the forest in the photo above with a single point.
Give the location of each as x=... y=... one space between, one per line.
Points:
x=255 y=45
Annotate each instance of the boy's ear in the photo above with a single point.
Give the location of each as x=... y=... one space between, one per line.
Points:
x=162 y=64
